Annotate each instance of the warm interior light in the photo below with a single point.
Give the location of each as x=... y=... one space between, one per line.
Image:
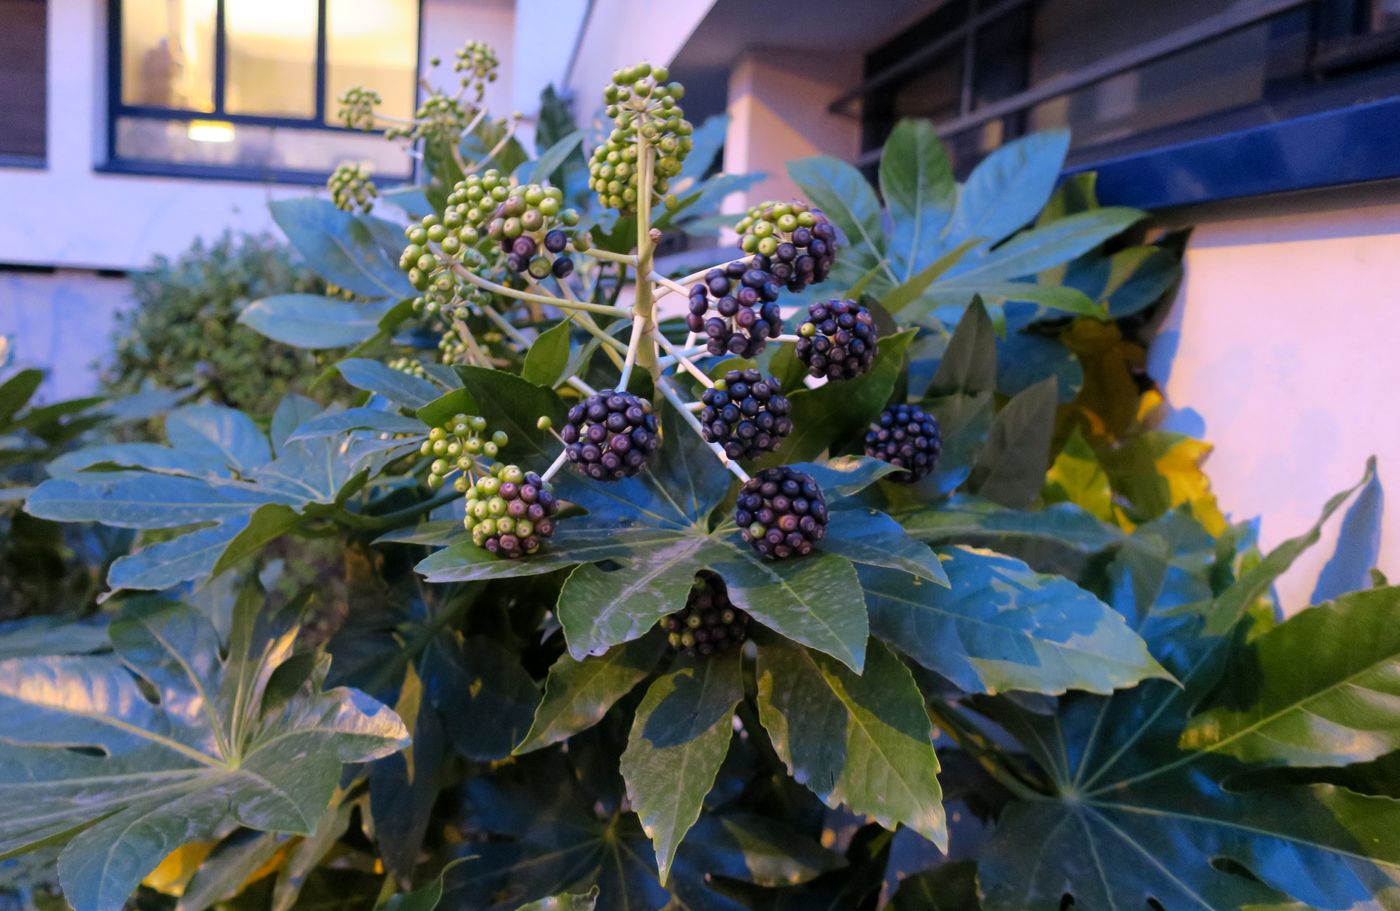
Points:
x=211 y=131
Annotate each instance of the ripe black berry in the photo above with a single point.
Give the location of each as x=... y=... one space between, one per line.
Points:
x=800 y=240
x=736 y=308
x=746 y=414
x=781 y=512
x=709 y=622
x=510 y=512
x=839 y=340
x=906 y=436
x=610 y=435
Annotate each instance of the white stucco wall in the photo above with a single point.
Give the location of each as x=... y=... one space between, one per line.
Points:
x=622 y=32
x=1285 y=346
x=68 y=215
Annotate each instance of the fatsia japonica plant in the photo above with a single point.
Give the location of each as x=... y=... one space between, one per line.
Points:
x=837 y=574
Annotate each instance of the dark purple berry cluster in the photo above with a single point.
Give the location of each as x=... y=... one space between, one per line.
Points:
x=908 y=437
x=800 y=240
x=838 y=341
x=781 y=512
x=522 y=255
x=709 y=622
x=610 y=434
x=510 y=511
x=746 y=414
x=736 y=308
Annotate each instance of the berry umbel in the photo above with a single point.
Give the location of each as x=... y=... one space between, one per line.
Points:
x=781 y=512
x=610 y=434
x=456 y=445
x=510 y=511
x=640 y=103
x=799 y=240
x=351 y=188
x=709 y=622
x=736 y=308
x=746 y=414
x=838 y=341
x=905 y=436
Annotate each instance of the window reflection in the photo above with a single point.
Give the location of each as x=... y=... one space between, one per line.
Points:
x=373 y=43
x=168 y=53
x=271 y=68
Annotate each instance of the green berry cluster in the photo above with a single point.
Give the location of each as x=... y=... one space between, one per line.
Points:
x=438 y=119
x=799 y=240
x=455 y=447
x=477 y=63
x=410 y=365
x=510 y=511
x=357 y=106
x=452 y=349
x=433 y=243
x=445 y=299
x=640 y=103
x=351 y=188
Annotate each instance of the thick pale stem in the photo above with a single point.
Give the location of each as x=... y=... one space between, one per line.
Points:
x=611 y=346
x=673 y=286
x=559 y=462
x=634 y=344
x=519 y=338
x=627 y=259
x=645 y=305
x=786 y=337
x=478 y=356
x=680 y=359
x=684 y=410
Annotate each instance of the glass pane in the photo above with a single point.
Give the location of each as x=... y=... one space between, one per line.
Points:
x=168 y=53
x=373 y=43
x=271 y=69
x=257 y=150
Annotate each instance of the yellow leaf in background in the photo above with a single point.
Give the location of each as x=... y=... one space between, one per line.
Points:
x=1077 y=477
x=174 y=873
x=1180 y=466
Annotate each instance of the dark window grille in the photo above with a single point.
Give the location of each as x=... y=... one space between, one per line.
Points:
x=23 y=95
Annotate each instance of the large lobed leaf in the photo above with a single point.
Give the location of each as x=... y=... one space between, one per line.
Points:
x=169 y=739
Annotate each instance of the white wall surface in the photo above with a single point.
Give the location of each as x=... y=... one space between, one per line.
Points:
x=62 y=323
x=68 y=215
x=622 y=32
x=1285 y=343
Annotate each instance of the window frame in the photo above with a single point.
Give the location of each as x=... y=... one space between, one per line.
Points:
x=117 y=109
x=1221 y=165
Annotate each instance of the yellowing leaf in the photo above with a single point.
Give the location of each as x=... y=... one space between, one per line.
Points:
x=174 y=873
x=1187 y=483
x=1077 y=477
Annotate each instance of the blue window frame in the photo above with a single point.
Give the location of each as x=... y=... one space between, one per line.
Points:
x=186 y=99
x=1172 y=103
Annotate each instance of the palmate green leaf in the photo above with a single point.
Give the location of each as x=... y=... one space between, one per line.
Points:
x=679 y=738
x=846 y=476
x=1048 y=245
x=343 y=247
x=579 y=693
x=90 y=757
x=313 y=322
x=969 y=363
x=963 y=518
x=148 y=456
x=133 y=499
x=426 y=898
x=168 y=563
x=395 y=385
x=1136 y=816
x=862 y=741
x=1002 y=626
x=484 y=696
x=338 y=422
x=221 y=434
x=870 y=537
x=1317 y=690
x=916 y=181
x=947 y=887
x=1009 y=187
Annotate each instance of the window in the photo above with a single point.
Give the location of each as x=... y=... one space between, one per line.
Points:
x=22 y=82
x=1171 y=102
x=248 y=88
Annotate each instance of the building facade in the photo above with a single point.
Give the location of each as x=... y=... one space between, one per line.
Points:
x=1272 y=126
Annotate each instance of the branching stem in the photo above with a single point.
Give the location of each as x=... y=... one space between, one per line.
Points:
x=684 y=410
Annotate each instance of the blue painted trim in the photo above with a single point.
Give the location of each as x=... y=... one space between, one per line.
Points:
x=145 y=168
x=1347 y=146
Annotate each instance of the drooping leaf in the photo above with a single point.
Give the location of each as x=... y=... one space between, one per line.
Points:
x=862 y=741
x=840 y=191
x=679 y=738
x=485 y=698
x=579 y=693
x=1317 y=690
x=969 y=363
x=395 y=385
x=1009 y=187
x=1011 y=468
x=312 y=321
x=341 y=246
x=869 y=537
x=219 y=434
x=150 y=777
x=1002 y=626
x=1358 y=546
